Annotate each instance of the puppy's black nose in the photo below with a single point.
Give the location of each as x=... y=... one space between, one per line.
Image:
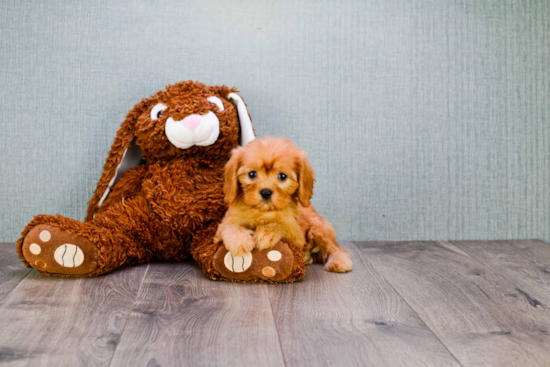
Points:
x=266 y=193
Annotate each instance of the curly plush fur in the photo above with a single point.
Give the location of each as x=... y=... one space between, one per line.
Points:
x=166 y=209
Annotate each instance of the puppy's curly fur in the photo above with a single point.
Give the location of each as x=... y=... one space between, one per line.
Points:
x=268 y=186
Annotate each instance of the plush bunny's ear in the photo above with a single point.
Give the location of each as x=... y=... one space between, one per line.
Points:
x=247 y=132
x=124 y=154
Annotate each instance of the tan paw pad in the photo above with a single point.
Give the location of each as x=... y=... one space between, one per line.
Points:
x=35 y=248
x=237 y=264
x=274 y=255
x=45 y=236
x=269 y=272
x=69 y=256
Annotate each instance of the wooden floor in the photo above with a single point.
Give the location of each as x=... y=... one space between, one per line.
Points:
x=405 y=304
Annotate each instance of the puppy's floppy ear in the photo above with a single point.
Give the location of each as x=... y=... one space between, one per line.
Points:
x=231 y=182
x=306 y=178
x=123 y=155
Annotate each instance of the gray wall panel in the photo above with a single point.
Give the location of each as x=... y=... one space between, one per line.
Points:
x=424 y=120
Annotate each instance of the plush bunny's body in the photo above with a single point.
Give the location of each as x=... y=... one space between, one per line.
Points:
x=160 y=195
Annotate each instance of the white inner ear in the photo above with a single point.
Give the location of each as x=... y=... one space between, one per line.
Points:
x=247 y=132
x=131 y=157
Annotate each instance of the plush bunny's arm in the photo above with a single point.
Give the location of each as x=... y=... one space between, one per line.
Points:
x=128 y=185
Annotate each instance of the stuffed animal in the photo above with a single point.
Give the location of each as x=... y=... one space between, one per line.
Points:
x=160 y=196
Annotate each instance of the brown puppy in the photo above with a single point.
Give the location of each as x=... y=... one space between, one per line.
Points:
x=268 y=185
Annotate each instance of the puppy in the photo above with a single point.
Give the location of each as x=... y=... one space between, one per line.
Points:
x=268 y=186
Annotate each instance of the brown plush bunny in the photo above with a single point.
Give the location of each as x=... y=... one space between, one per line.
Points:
x=160 y=195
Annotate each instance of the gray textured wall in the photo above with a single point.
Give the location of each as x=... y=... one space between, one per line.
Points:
x=423 y=119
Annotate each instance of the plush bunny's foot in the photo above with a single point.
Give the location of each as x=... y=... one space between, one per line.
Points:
x=276 y=264
x=53 y=251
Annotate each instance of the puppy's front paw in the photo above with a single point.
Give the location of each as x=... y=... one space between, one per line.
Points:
x=266 y=239
x=339 y=262
x=239 y=243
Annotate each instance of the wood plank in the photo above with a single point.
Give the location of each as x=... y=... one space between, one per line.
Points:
x=12 y=270
x=181 y=318
x=354 y=319
x=480 y=316
x=531 y=276
x=535 y=250
x=49 y=321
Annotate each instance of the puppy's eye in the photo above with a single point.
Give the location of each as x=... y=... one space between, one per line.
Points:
x=252 y=174
x=215 y=101
x=282 y=176
x=156 y=112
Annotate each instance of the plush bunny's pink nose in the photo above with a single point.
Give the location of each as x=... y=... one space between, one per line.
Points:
x=191 y=122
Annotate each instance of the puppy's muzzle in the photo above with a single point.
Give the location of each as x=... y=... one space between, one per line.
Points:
x=266 y=194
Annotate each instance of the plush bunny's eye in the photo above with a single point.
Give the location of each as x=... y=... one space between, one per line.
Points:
x=156 y=112
x=216 y=102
